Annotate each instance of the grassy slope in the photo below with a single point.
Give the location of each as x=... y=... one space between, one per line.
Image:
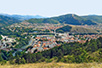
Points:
x=82 y=30
x=54 y=65
x=76 y=29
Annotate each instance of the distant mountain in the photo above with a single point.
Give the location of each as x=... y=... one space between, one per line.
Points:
x=4 y=20
x=67 y=19
x=73 y=20
x=23 y=17
x=95 y=18
x=75 y=29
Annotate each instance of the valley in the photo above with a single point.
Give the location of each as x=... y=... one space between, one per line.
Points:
x=67 y=39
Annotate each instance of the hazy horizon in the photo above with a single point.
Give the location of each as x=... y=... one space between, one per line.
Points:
x=51 y=8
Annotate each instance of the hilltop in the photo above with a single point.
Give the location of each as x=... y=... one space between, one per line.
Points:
x=73 y=20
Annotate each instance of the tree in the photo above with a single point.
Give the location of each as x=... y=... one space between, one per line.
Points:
x=1 y=59
x=23 y=61
x=17 y=60
x=0 y=37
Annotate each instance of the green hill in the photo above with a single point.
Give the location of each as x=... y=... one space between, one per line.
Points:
x=73 y=20
x=4 y=20
x=95 y=18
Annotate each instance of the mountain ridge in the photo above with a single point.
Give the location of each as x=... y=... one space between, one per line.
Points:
x=72 y=19
x=23 y=17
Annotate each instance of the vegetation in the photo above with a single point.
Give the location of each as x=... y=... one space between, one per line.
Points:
x=0 y=37
x=22 y=17
x=67 y=53
x=67 y=19
x=73 y=20
x=4 y=20
x=94 y=18
x=64 y=29
x=53 y=65
x=17 y=33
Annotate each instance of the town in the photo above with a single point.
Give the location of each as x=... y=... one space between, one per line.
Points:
x=42 y=37
x=45 y=42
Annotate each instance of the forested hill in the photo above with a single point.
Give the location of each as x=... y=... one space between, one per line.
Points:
x=67 y=19
x=95 y=18
x=4 y=20
x=73 y=20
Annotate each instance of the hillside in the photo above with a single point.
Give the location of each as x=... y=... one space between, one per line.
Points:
x=74 y=29
x=82 y=30
x=4 y=20
x=95 y=18
x=73 y=20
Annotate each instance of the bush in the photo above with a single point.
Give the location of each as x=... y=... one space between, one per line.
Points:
x=3 y=62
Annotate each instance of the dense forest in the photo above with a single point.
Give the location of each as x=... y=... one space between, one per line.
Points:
x=4 y=20
x=67 y=52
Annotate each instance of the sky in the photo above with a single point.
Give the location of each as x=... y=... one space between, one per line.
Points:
x=49 y=8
